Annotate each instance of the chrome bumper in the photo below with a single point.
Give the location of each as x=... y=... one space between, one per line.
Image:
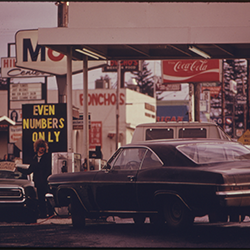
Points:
x=234 y=198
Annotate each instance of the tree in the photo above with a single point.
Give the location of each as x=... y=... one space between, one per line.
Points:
x=144 y=80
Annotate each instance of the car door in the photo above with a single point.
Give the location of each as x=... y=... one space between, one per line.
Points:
x=115 y=188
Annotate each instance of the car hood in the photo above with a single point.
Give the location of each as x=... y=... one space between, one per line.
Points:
x=5 y=183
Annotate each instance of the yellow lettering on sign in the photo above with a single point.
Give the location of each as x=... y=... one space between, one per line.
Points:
x=42 y=135
x=55 y=122
x=57 y=135
x=25 y=123
x=61 y=120
x=49 y=122
x=49 y=137
x=35 y=110
x=44 y=109
x=42 y=123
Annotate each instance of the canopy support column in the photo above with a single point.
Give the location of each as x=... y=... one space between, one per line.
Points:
x=85 y=113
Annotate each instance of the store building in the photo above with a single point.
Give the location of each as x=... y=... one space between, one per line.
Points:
x=134 y=108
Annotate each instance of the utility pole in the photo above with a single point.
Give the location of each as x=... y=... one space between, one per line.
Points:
x=223 y=105
x=197 y=91
x=248 y=94
x=117 y=103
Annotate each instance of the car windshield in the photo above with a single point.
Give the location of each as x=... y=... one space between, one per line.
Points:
x=203 y=153
x=5 y=174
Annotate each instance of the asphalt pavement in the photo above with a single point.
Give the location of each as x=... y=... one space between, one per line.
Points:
x=66 y=220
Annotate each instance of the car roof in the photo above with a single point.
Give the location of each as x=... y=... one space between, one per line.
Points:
x=176 y=124
x=166 y=148
x=174 y=142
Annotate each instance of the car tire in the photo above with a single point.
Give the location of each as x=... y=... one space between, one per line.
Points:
x=177 y=215
x=218 y=216
x=78 y=213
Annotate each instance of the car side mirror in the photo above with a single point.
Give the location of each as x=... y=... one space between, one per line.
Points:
x=107 y=167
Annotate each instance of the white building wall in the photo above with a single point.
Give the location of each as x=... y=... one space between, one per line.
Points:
x=140 y=108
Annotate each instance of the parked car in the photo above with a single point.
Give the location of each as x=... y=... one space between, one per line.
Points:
x=169 y=181
x=175 y=130
x=18 y=198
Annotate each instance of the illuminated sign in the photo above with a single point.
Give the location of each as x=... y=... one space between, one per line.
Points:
x=30 y=55
x=47 y=122
x=184 y=71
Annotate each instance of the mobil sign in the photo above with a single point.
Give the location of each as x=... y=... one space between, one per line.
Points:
x=183 y=71
x=30 y=55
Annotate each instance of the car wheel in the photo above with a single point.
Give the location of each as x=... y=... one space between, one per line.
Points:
x=78 y=213
x=139 y=220
x=176 y=214
x=217 y=217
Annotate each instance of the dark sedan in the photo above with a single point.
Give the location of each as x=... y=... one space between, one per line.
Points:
x=18 y=200
x=169 y=181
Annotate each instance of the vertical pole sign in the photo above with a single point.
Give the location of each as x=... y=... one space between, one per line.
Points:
x=47 y=122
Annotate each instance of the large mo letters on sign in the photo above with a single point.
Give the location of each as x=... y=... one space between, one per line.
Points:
x=47 y=122
x=31 y=55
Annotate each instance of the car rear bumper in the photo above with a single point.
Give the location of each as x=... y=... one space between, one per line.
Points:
x=234 y=198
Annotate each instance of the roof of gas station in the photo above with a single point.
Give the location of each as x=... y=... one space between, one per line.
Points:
x=153 y=30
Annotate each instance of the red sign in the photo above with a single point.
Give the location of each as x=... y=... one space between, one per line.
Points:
x=214 y=91
x=105 y=99
x=184 y=71
x=95 y=134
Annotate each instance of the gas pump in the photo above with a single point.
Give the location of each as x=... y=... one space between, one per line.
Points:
x=63 y=162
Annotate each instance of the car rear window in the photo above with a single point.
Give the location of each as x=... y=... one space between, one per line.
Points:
x=202 y=153
x=192 y=133
x=155 y=133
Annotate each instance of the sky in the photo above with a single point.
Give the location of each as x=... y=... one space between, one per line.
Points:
x=15 y=16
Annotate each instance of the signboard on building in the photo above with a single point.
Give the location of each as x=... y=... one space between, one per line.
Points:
x=30 y=55
x=214 y=91
x=127 y=65
x=172 y=113
x=16 y=115
x=245 y=138
x=15 y=133
x=47 y=122
x=9 y=69
x=184 y=71
x=95 y=135
x=168 y=87
x=25 y=91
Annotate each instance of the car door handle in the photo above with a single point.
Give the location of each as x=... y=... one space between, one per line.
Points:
x=131 y=177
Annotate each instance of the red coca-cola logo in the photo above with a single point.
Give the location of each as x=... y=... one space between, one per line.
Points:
x=197 y=65
x=181 y=71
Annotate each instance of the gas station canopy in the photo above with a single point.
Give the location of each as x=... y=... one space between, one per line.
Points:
x=152 y=30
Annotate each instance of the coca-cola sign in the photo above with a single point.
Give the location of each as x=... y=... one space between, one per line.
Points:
x=183 y=71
